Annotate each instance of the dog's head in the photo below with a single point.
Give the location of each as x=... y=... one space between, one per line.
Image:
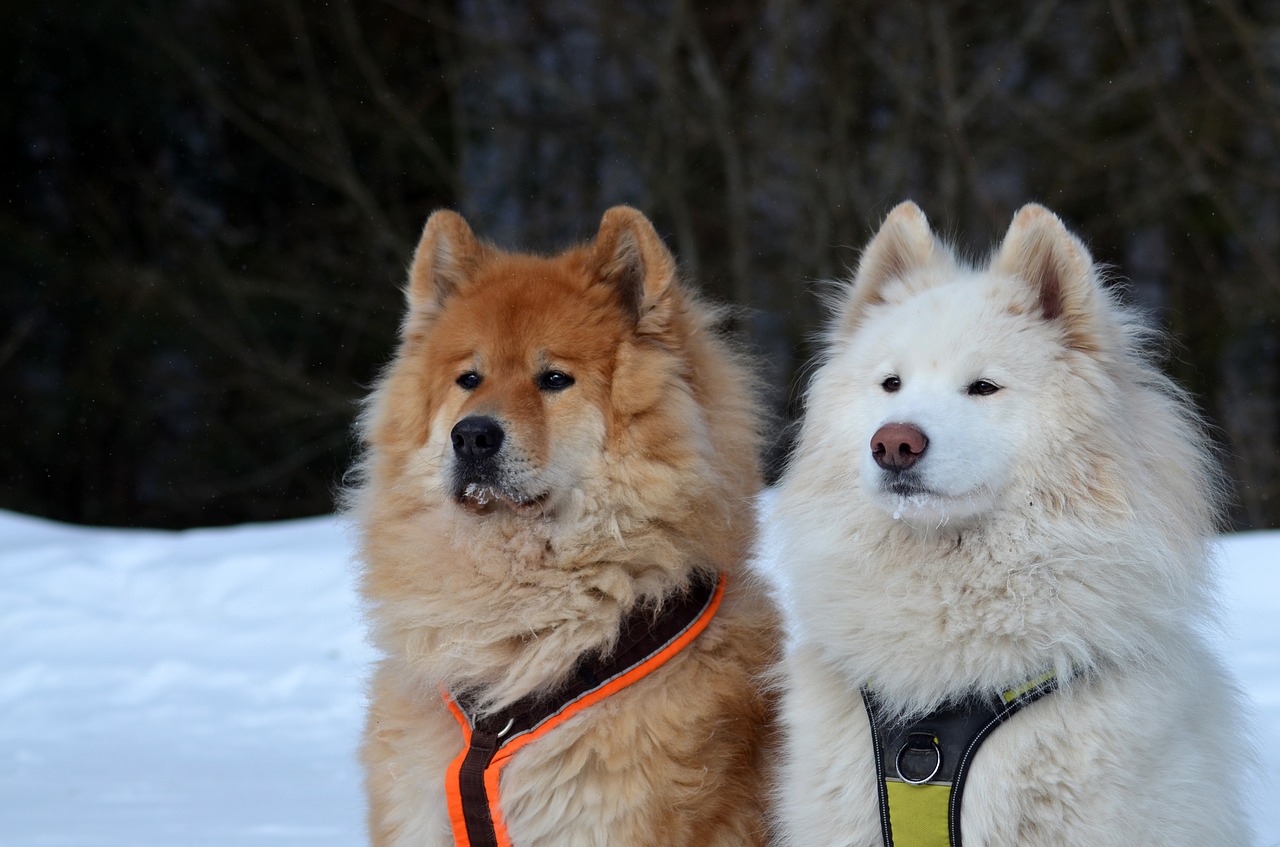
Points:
x=518 y=374
x=943 y=379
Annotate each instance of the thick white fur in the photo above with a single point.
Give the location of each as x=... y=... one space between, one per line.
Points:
x=1064 y=526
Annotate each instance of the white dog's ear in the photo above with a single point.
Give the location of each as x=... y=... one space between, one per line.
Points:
x=904 y=244
x=1039 y=250
x=630 y=258
x=447 y=254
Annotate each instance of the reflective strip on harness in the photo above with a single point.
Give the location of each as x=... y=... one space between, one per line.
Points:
x=489 y=742
x=922 y=762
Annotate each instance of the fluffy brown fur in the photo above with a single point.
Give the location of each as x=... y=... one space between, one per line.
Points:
x=609 y=492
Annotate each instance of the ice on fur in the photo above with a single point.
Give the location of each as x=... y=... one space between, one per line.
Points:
x=994 y=480
x=558 y=440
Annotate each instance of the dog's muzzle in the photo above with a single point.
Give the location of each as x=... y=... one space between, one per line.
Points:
x=477 y=445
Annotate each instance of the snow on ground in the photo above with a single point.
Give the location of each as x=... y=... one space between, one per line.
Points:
x=205 y=687
x=187 y=688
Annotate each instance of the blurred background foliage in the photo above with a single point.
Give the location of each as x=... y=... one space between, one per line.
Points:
x=210 y=204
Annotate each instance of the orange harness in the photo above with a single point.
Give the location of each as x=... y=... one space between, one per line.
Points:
x=645 y=643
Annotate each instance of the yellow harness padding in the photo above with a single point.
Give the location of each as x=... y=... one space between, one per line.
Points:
x=919 y=814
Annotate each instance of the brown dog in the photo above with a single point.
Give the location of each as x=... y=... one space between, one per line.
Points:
x=560 y=467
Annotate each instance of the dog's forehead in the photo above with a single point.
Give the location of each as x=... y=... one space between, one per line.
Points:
x=966 y=322
x=518 y=312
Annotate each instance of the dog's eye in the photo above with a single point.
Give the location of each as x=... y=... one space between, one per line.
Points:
x=468 y=381
x=982 y=388
x=554 y=381
x=891 y=384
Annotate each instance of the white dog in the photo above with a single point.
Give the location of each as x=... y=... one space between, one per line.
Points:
x=994 y=534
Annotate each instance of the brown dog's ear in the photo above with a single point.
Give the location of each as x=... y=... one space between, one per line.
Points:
x=447 y=254
x=1040 y=251
x=630 y=258
x=903 y=244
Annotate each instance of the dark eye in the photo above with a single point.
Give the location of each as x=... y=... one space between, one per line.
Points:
x=891 y=384
x=554 y=381
x=982 y=388
x=468 y=381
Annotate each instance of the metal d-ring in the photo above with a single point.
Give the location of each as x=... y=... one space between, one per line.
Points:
x=475 y=719
x=937 y=757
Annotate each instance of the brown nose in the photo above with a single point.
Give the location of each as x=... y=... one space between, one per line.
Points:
x=898 y=446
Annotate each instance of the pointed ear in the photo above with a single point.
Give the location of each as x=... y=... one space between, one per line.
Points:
x=629 y=257
x=447 y=254
x=1057 y=267
x=903 y=244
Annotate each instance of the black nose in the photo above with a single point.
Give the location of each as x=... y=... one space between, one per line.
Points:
x=476 y=437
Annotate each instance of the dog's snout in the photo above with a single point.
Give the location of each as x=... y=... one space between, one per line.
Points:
x=898 y=446
x=477 y=437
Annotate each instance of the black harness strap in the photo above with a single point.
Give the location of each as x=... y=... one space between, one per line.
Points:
x=644 y=634
x=934 y=752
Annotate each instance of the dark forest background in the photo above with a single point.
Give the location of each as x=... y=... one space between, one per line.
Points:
x=209 y=205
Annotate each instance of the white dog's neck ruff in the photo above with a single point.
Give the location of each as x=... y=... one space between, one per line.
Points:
x=922 y=761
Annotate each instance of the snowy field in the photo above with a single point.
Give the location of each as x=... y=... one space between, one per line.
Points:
x=204 y=687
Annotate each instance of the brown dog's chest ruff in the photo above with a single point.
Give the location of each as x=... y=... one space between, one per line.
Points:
x=645 y=643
